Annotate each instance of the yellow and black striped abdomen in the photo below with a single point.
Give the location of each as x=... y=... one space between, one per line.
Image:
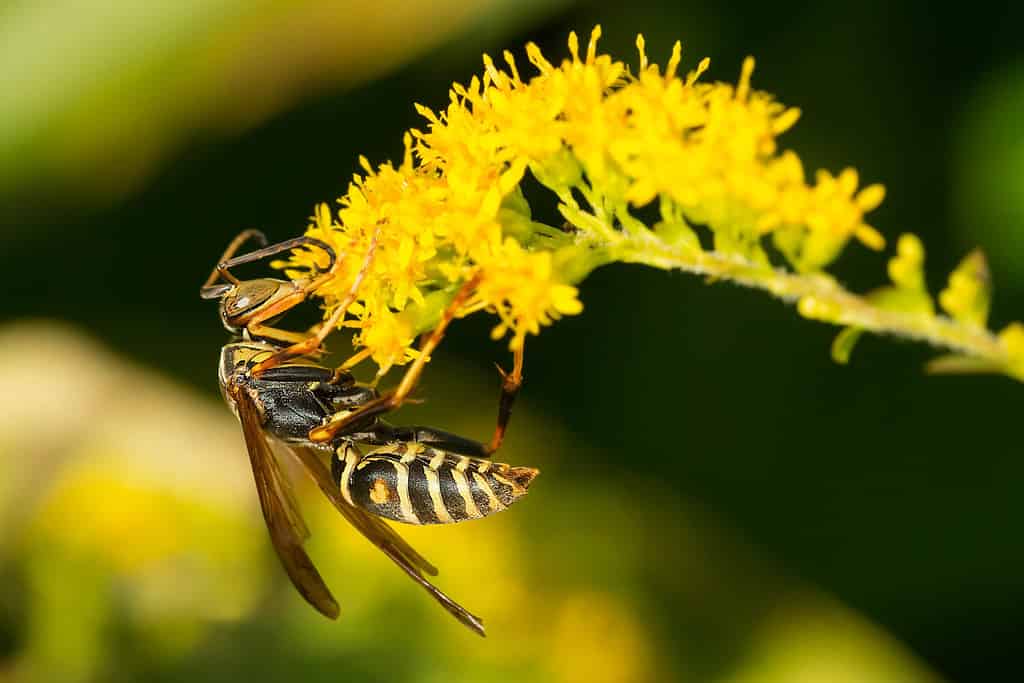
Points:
x=411 y=483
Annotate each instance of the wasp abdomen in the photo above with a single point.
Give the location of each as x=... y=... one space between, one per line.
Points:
x=411 y=483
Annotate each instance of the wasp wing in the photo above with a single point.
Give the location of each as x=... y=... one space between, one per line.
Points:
x=383 y=536
x=284 y=521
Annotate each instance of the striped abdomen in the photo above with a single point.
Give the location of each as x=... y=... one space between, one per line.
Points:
x=415 y=484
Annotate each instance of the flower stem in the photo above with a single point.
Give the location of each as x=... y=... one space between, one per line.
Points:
x=819 y=296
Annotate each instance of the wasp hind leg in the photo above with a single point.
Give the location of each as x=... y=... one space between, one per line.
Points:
x=511 y=383
x=382 y=434
x=394 y=399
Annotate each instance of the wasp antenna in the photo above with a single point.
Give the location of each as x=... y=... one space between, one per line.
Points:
x=240 y=239
x=227 y=262
x=283 y=246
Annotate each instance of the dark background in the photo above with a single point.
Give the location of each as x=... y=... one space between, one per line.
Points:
x=897 y=492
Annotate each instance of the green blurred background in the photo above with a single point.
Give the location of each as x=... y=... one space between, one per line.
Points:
x=719 y=501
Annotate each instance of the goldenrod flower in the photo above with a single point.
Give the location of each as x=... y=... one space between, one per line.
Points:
x=968 y=296
x=522 y=290
x=607 y=140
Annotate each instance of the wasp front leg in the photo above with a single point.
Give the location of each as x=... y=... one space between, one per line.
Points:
x=312 y=343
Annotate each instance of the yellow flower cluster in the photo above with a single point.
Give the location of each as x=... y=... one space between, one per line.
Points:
x=442 y=216
x=606 y=140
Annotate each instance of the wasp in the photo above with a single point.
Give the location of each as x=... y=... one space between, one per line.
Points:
x=281 y=396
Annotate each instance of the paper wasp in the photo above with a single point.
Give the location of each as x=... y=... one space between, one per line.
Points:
x=417 y=475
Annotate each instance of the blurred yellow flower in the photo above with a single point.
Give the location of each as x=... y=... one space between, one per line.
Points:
x=147 y=535
x=598 y=640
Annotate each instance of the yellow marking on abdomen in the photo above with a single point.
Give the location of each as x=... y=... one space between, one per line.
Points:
x=462 y=484
x=380 y=492
x=436 y=461
x=434 y=486
x=492 y=499
x=516 y=488
x=404 y=502
x=350 y=462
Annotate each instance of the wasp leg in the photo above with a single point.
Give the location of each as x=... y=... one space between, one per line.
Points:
x=353 y=361
x=393 y=400
x=313 y=342
x=511 y=383
x=274 y=334
x=382 y=433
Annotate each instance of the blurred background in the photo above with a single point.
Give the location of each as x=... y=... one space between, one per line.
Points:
x=719 y=501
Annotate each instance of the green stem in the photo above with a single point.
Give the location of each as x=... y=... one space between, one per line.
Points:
x=821 y=297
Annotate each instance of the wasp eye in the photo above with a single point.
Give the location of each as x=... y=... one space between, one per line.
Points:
x=241 y=303
x=250 y=295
